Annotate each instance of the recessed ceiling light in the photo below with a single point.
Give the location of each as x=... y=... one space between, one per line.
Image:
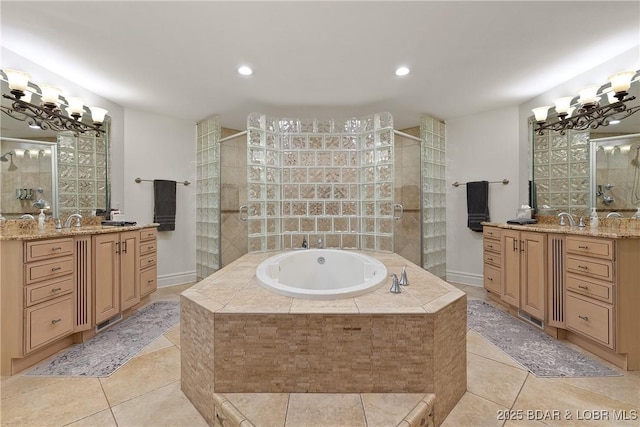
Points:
x=245 y=71
x=402 y=71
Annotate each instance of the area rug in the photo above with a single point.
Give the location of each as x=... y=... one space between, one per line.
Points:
x=103 y=354
x=541 y=354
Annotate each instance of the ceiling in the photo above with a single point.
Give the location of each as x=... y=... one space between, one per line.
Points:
x=319 y=59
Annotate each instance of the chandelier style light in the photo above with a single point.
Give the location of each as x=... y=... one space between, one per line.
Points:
x=589 y=114
x=48 y=114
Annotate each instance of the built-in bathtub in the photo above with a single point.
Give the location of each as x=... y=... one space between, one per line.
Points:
x=321 y=274
x=239 y=337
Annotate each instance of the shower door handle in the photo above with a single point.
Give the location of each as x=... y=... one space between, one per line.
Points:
x=398 y=207
x=245 y=209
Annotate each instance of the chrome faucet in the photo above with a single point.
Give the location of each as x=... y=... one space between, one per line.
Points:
x=67 y=223
x=304 y=243
x=320 y=243
x=614 y=215
x=395 y=285
x=563 y=215
x=27 y=216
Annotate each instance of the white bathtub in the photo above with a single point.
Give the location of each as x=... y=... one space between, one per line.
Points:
x=321 y=274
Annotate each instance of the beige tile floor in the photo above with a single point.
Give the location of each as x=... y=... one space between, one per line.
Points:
x=146 y=392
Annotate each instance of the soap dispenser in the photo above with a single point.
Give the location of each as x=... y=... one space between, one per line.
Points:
x=41 y=219
x=593 y=218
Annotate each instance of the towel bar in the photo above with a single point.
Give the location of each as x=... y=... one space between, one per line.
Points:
x=504 y=181
x=139 y=180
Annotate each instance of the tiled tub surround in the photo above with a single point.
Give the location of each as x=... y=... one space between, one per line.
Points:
x=238 y=337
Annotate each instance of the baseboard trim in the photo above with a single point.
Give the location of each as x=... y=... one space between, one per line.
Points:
x=465 y=278
x=174 y=279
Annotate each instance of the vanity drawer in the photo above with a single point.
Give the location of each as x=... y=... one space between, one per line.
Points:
x=590 y=318
x=47 y=322
x=491 y=233
x=492 y=279
x=44 y=249
x=148 y=280
x=598 y=248
x=48 y=269
x=599 y=269
x=148 y=247
x=44 y=291
x=590 y=287
x=493 y=259
x=147 y=261
x=492 y=245
x=148 y=234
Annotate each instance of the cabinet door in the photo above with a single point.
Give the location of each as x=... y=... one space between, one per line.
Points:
x=129 y=279
x=511 y=267
x=533 y=273
x=106 y=268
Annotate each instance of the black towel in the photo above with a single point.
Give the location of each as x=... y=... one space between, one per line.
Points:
x=477 y=204
x=164 y=204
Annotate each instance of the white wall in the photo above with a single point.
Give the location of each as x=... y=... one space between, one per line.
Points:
x=480 y=147
x=160 y=147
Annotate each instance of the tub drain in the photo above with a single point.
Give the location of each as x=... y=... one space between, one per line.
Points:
x=321 y=260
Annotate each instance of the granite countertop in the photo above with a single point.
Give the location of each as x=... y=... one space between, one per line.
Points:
x=610 y=232
x=31 y=232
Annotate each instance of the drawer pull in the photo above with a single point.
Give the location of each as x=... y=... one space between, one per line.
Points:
x=54 y=290
x=150 y=281
x=56 y=268
x=490 y=259
x=585 y=318
x=490 y=246
x=583 y=247
x=57 y=248
x=149 y=260
x=490 y=279
x=586 y=288
x=584 y=267
x=54 y=321
x=149 y=247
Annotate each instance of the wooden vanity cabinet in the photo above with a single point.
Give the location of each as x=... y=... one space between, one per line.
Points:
x=524 y=271
x=148 y=261
x=492 y=259
x=116 y=280
x=590 y=288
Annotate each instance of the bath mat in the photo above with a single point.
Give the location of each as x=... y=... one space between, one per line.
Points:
x=541 y=354
x=103 y=354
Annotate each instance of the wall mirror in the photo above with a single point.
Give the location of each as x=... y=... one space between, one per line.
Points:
x=60 y=171
x=577 y=170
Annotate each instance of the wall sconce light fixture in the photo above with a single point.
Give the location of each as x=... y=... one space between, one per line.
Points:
x=48 y=115
x=590 y=114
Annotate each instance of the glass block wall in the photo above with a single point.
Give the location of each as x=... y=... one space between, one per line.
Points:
x=83 y=173
x=207 y=198
x=434 y=238
x=561 y=171
x=328 y=181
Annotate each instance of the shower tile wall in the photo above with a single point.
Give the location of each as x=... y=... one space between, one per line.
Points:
x=82 y=173
x=406 y=236
x=561 y=171
x=233 y=155
x=312 y=179
x=27 y=172
x=207 y=198
x=434 y=239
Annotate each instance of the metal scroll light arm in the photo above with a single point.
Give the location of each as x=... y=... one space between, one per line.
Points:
x=47 y=116
x=591 y=116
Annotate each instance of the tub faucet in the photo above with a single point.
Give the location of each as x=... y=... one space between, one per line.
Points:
x=78 y=217
x=614 y=215
x=395 y=285
x=563 y=215
x=304 y=243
